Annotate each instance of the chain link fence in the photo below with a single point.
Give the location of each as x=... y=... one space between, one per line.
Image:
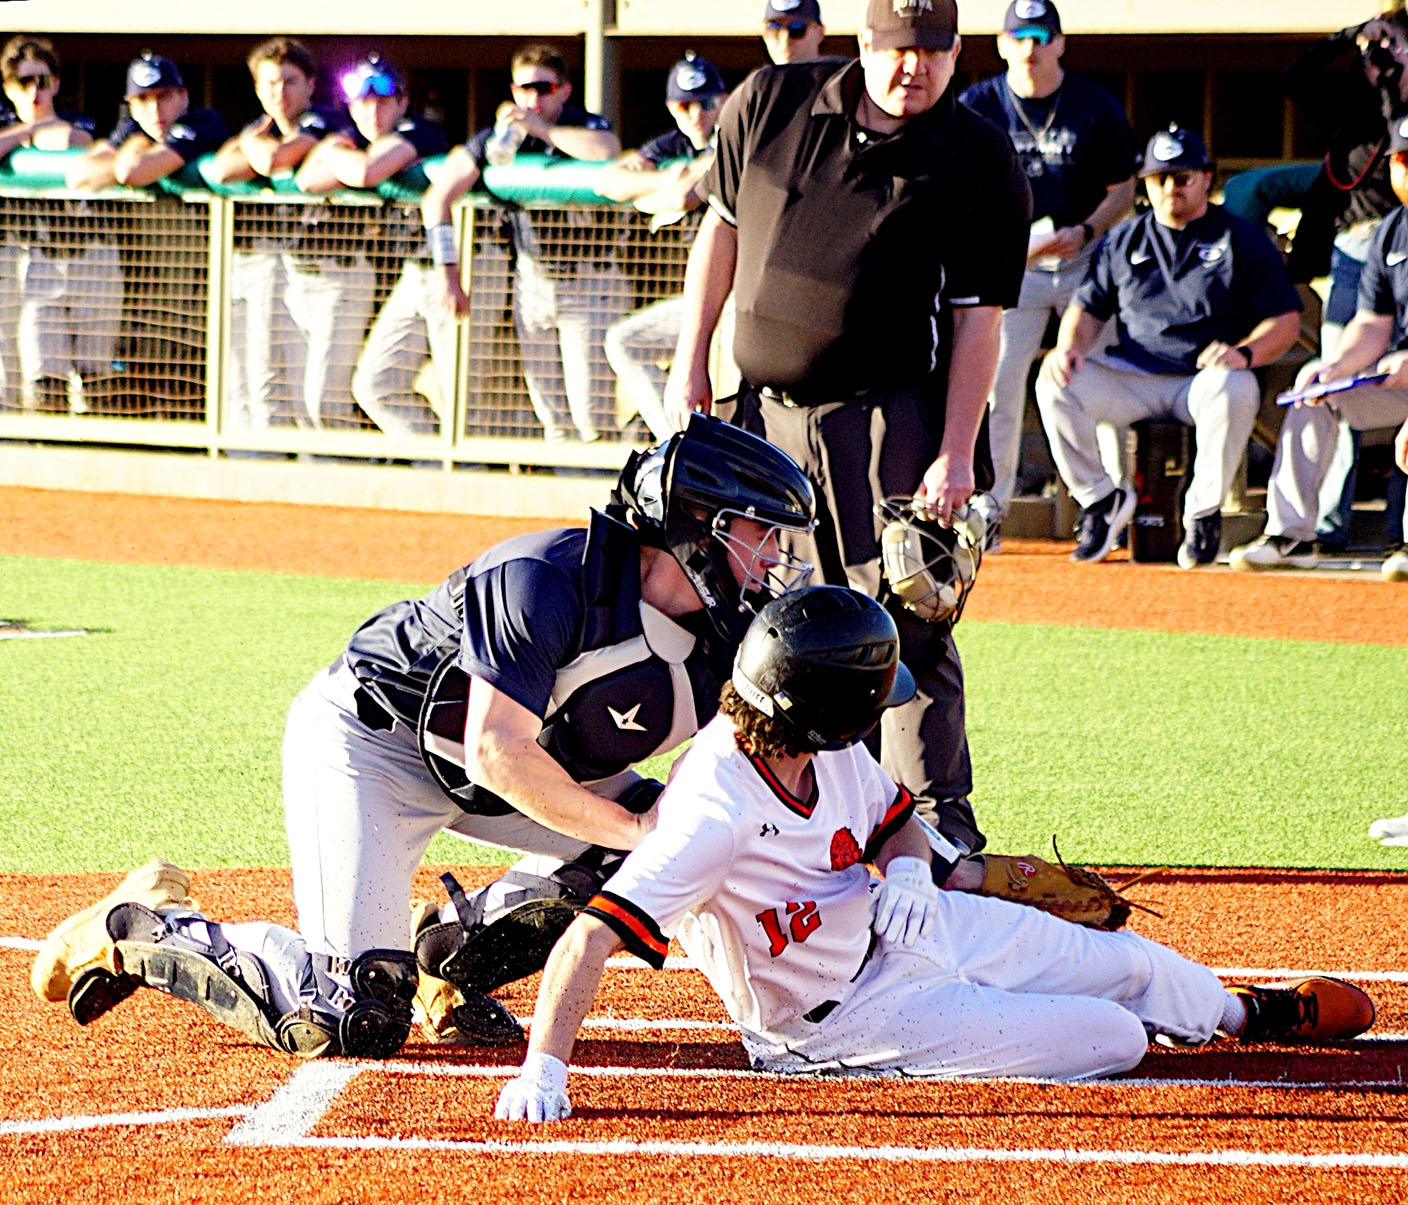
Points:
x=289 y=325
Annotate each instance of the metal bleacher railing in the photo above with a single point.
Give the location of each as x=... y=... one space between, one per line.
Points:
x=230 y=319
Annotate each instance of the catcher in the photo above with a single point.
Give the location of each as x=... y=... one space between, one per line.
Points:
x=757 y=865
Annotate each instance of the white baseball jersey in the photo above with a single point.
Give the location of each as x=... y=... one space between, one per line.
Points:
x=768 y=896
x=767 y=893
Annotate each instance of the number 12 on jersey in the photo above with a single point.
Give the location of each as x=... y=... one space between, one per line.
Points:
x=803 y=921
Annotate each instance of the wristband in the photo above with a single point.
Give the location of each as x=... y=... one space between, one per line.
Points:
x=442 y=244
x=1089 y=232
x=1246 y=352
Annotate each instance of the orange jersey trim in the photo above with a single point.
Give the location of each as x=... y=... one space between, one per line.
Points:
x=641 y=934
x=895 y=817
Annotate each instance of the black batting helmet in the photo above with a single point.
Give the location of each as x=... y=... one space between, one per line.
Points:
x=825 y=663
x=682 y=494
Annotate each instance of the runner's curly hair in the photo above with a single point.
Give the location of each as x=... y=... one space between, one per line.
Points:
x=760 y=735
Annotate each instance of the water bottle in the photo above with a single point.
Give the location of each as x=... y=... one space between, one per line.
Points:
x=503 y=144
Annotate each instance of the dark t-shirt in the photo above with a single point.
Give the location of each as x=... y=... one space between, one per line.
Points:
x=1383 y=284
x=1172 y=292
x=852 y=247
x=195 y=133
x=1072 y=144
x=671 y=145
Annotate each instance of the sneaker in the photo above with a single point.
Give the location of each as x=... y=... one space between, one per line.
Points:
x=1393 y=831
x=1313 y=1010
x=1274 y=552
x=1100 y=524
x=1395 y=568
x=1201 y=544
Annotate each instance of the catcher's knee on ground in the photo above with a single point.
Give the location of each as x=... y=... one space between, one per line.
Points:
x=506 y=931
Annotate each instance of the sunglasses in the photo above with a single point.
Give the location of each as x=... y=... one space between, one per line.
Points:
x=359 y=84
x=795 y=29
x=543 y=87
x=1177 y=179
x=40 y=82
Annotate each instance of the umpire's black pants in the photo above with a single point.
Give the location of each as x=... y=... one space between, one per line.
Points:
x=857 y=452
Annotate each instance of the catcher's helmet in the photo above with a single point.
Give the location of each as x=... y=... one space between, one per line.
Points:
x=825 y=663
x=930 y=565
x=681 y=495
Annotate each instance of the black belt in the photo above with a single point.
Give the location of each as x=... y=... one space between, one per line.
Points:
x=372 y=714
x=802 y=402
x=311 y=263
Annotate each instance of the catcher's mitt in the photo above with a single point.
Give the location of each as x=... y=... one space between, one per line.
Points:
x=1073 y=893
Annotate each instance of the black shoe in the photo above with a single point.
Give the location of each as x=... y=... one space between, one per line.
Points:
x=1100 y=524
x=1200 y=545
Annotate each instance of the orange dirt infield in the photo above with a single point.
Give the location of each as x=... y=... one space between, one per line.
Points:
x=156 y=1102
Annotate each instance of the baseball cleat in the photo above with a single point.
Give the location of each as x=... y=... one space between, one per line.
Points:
x=1319 y=1009
x=1202 y=542
x=1395 y=567
x=1392 y=831
x=1274 y=552
x=82 y=943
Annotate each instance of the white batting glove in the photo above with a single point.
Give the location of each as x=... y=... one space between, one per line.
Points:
x=538 y=1094
x=907 y=903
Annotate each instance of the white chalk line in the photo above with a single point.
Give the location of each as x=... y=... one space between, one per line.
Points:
x=101 y=1121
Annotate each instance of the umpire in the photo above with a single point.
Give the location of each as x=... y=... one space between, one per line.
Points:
x=877 y=229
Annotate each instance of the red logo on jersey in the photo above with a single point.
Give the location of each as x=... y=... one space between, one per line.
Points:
x=844 y=850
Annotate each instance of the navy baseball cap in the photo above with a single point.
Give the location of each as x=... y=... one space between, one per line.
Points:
x=373 y=76
x=1032 y=19
x=900 y=24
x=1398 y=131
x=693 y=78
x=1173 y=149
x=150 y=73
x=792 y=10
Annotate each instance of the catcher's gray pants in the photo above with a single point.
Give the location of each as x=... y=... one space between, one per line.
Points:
x=360 y=808
x=261 y=333
x=561 y=323
x=1003 y=989
x=856 y=453
x=412 y=324
x=1220 y=404
x=1306 y=446
x=1044 y=292
x=330 y=303
x=69 y=313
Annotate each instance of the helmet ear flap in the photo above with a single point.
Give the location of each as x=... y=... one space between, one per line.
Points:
x=930 y=565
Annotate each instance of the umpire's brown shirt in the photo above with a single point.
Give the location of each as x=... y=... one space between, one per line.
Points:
x=850 y=245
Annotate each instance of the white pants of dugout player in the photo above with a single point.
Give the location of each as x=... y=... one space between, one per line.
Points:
x=261 y=334
x=330 y=302
x=1220 y=405
x=1044 y=292
x=1002 y=989
x=70 y=307
x=561 y=323
x=412 y=324
x=1306 y=447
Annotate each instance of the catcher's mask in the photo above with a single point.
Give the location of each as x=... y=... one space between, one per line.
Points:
x=930 y=564
x=823 y=662
x=682 y=496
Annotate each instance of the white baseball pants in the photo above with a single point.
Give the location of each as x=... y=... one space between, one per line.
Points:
x=1220 y=404
x=1003 y=989
x=330 y=308
x=1306 y=447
